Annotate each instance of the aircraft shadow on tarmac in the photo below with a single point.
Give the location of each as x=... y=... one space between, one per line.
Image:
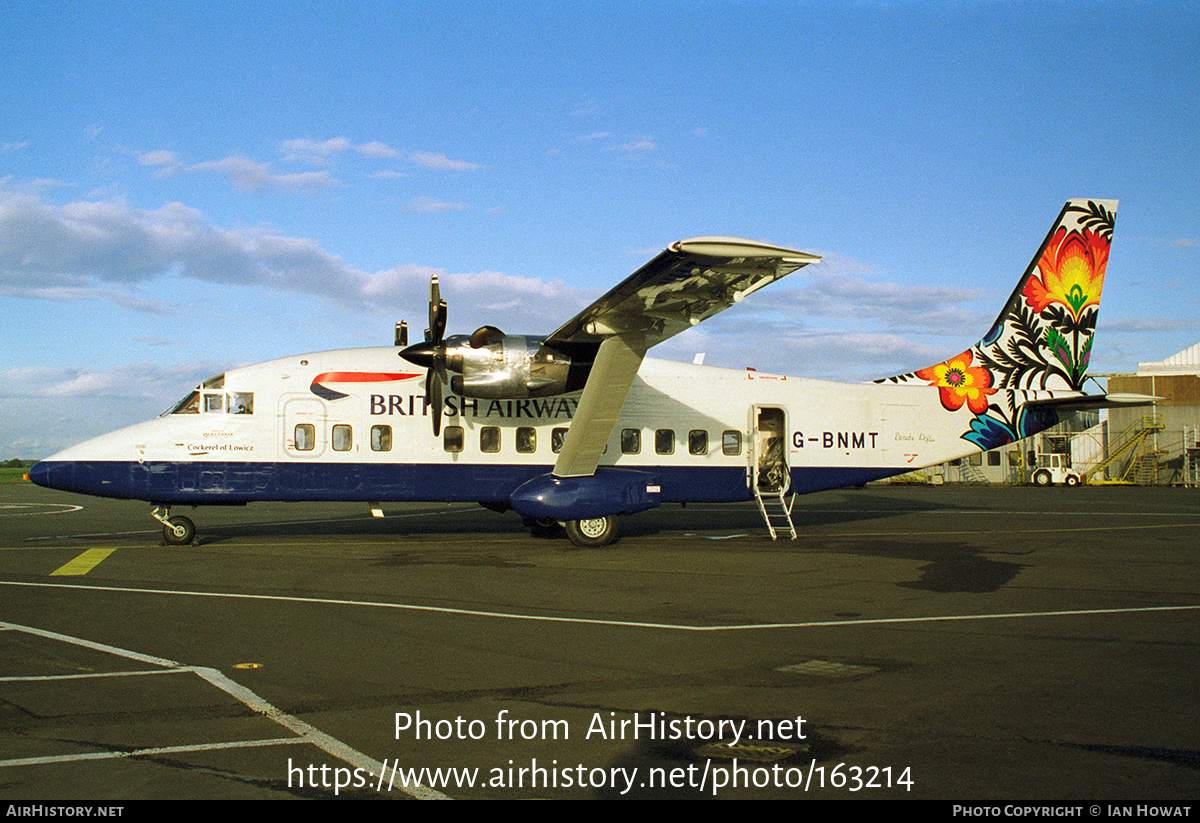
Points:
x=948 y=565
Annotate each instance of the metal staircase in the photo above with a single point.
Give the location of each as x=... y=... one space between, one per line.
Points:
x=776 y=511
x=1142 y=467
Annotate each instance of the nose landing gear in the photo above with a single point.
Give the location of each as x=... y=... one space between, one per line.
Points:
x=178 y=530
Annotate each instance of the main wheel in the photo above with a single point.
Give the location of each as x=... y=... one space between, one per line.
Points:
x=1072 y=480
x=598 y=531
x=179 y=531
x=1042 y=478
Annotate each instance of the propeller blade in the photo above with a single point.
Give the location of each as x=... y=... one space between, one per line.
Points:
x=402 y=333
x=439 y=322
x=437 y=312
x=435 y=400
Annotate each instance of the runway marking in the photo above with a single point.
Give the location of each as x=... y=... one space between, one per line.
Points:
x=594 y=621
x=201 y=747
x=305 y=733
x=5 y=509
x=83 y=564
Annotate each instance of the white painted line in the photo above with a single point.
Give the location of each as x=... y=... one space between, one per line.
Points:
x=601 y=622
x=306 y=732
x=5 y=509
x=89 y=644
x=142 y=673
x=202 y=747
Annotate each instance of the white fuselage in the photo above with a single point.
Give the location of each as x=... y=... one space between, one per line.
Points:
x=354 y=425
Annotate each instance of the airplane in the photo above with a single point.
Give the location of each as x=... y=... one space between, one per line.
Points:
x=578 y=428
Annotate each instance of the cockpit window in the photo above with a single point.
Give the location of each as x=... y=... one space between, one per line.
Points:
x=205 y=399
x=188 y=405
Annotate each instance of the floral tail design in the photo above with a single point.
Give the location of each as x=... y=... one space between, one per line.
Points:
x=1041 y=342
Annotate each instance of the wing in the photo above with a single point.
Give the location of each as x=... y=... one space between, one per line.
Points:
x=691 y=281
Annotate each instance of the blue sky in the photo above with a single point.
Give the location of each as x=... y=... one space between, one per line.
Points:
x=187 y=187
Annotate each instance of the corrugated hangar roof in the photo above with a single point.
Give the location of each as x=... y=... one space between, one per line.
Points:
x=1185 y=362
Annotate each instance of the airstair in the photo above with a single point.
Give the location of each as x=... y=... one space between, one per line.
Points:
x=1135 y=443
x=776 y=511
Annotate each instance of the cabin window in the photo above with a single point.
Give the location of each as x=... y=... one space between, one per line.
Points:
x=381 y=438
x=214 y=402
x=698 y=442
x=489 y=439
x=731 y=442
x=526 y=439
x=305 y=437
x=557 y=436
x=452 y=439
x=343 y=438
x=241 y=402
x=975 y=459
x=993 y=458
x=631 y=441
x=1014 y=459
x=664 y=441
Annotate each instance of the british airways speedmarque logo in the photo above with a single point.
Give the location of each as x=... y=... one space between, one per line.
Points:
x=320 y=390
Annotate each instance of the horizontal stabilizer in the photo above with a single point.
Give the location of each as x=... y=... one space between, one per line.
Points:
x=1087 y=402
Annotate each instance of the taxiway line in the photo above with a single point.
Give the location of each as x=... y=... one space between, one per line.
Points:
x=596 y=621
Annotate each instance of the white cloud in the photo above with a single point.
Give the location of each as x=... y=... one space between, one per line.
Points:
x=251 y=176
x=376 y=149
x=313 y=151
x=160 y=157
x=109 y=250
x=429 y=160
x=641 y=146
x=320 y=152
x=428 y=204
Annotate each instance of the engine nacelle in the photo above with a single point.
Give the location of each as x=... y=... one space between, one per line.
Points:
x=508 y=367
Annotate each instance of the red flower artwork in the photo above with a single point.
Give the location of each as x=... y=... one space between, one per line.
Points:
x=959 y=382
x=1071 y=272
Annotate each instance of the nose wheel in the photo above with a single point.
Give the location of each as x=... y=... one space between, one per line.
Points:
x=177 y=530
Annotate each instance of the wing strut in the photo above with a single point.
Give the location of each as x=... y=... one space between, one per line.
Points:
x=617 y=363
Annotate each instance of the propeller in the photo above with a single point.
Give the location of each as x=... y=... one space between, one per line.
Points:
x=431 y=354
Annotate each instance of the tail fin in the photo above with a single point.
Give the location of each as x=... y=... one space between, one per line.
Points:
x=1041 y=343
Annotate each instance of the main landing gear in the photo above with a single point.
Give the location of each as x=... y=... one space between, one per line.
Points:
x=598 y=531
x=178 y=530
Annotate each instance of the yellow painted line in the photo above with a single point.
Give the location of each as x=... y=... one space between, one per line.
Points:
x=84 y=563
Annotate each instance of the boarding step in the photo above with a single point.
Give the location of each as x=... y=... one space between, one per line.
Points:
x=776 y=511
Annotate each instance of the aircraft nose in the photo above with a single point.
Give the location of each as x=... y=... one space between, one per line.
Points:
x=43 y=473
x=420 y=354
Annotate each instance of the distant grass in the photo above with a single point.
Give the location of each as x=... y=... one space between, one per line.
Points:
x=12 y=475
